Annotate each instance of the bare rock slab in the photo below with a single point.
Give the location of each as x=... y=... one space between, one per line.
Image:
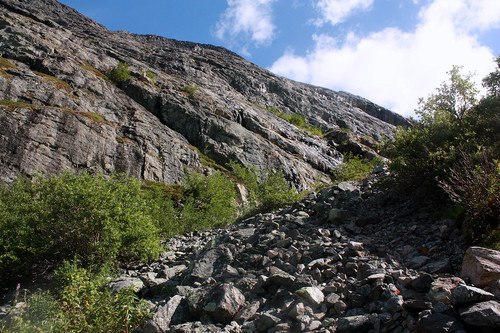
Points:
x=484 y=314
x=438 y=323
x=161 y=319
x=482 y=266
x=463 y=294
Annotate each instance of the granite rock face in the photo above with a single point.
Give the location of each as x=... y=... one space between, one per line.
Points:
x=58 y=110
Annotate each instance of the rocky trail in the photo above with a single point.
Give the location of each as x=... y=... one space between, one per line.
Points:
x=351 y=258
x=346 y=259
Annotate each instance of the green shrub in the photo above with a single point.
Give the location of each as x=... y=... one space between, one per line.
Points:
x=441 y=154
x=119 y=73
x=354 y=168
x=424 y=153
x=201 y=202
x=475 y=184
x=267 y=189
x=297 y=120
x=190 y=89
x=210 y=201
x=87 y=304
x=82 y=302
x=151 y=76
x=94 y=218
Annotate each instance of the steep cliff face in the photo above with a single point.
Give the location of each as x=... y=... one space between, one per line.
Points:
x=59 y=111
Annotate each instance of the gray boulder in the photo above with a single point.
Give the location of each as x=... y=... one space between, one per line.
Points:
x=223 y=303
x=484 y=314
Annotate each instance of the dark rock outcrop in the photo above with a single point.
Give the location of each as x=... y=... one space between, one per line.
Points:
x=59 y=111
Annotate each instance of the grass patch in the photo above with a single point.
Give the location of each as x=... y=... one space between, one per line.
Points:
x=90 y=68
x=95 y=117
x=297 y=120
x=6 y=64
x=150 y=75
x=190 y=90
x=354 y=168
x=122 y=140
x=12 y=105
x=57 y=82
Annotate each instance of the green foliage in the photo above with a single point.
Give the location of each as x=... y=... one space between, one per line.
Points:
x=87 y=305
x=82 y=303
x=297 y=120
x=475 y=184
x=57 y=82
x=190 y=89
x=451 y=101
x=210 y=201
x=492 y=81
x=201 y=202
x=354 y=168
x=151 y=76
x=39 y=316
x=267 y=189
x=119 y=73
x=425 y=152
x=442 y=152
x=46 y=221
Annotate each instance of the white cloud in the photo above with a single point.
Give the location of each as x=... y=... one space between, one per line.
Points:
x=394 y=68
x=336 y=11
x=246 y=20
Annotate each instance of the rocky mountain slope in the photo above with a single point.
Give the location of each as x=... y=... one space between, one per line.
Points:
x=59 y=111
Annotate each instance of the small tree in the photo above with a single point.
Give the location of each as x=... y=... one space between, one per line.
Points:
x=424 y=153
x=452 y=100
x=492 y=81
x=119 y=73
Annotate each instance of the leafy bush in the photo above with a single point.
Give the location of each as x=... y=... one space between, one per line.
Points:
x=210 y=201
x=424 y=153
x=82 y=303
x=267 y=189
x=190 y=89
x=355 y=168
x=87 y=305
x=443 y=152
x=201 y=202
x=151 y=76
x=475 y=184
x=119 y=73
x=46 y=221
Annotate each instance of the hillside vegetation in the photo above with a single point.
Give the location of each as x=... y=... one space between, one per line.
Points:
x=453 y=151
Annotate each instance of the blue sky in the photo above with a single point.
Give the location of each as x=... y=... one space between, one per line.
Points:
x=389 y=51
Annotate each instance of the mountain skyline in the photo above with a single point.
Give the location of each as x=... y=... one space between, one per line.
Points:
x=391 y=52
